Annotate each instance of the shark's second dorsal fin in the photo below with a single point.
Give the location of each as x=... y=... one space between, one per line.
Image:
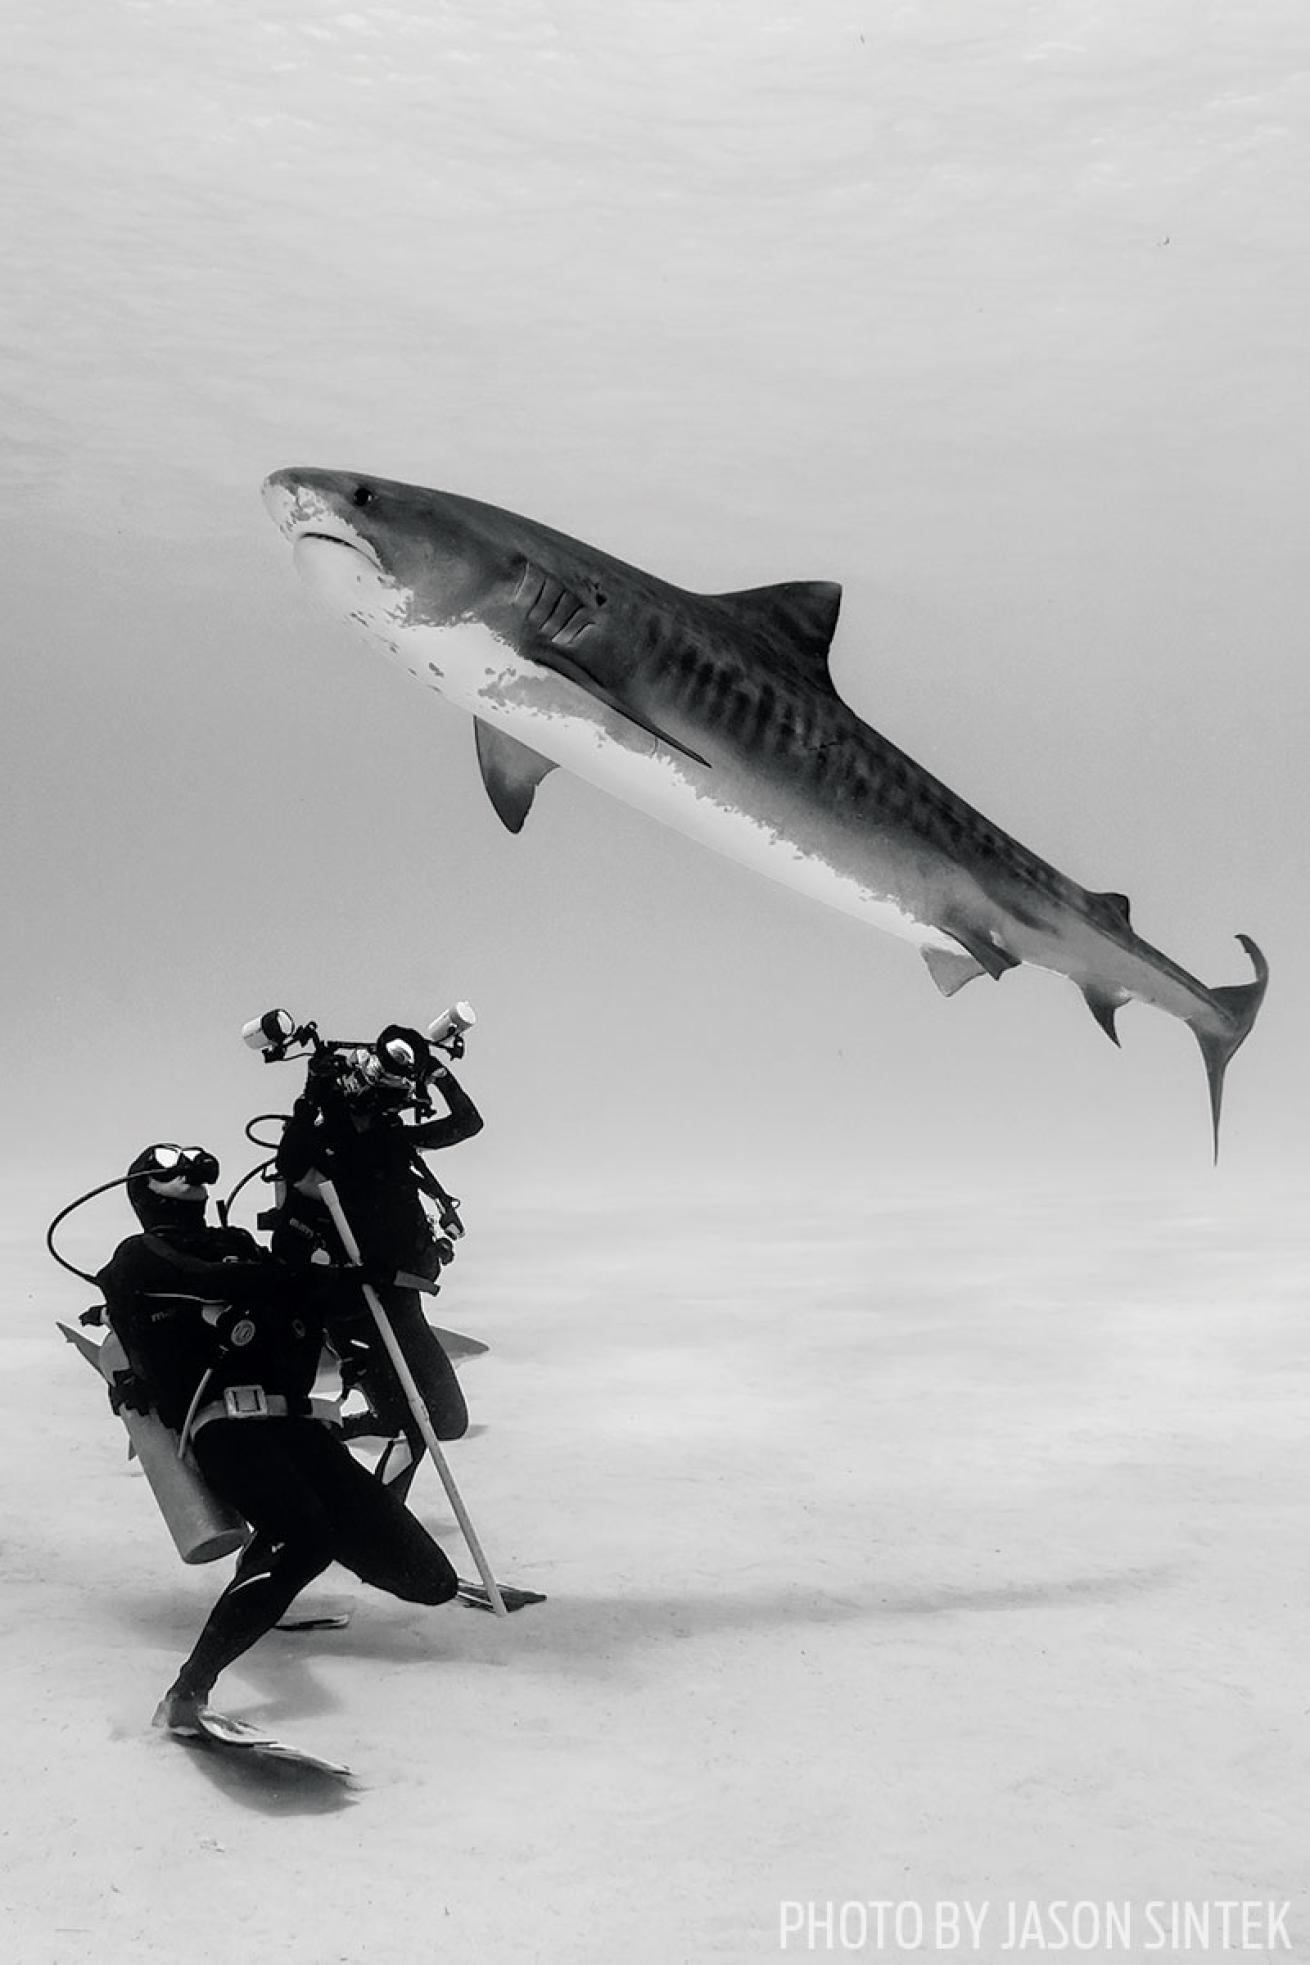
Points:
x=799 y=617
x=1118 y=904
x=511 y=772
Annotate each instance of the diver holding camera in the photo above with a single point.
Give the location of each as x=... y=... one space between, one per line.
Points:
x=215 y=1347
x=348 y=1127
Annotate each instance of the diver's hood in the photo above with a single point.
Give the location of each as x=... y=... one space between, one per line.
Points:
x=156 y=1209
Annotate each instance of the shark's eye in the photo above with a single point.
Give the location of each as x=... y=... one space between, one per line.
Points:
x=361 y=495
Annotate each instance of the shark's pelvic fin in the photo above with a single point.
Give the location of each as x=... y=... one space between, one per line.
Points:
x=985 y=953
x=511 y=773
x=951 y=968
x=799 y=617
x=1103 y=1003
x=1239 y=1003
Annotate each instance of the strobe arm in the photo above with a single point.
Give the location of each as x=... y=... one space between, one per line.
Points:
x=414 y=1398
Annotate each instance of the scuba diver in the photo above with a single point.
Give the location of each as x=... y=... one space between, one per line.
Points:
x=347 y=1127
x=223 y=1341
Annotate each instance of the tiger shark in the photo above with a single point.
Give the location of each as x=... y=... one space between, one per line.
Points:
x=717 y=714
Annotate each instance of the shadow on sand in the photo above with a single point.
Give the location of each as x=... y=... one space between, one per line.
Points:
x=601 y=1630
x=269 y=1787
x=580 y=1636
x=605 y=1627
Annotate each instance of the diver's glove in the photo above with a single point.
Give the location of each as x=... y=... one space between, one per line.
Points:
x=128 y=1393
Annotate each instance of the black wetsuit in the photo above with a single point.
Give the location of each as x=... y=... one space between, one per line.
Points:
x=201 y=1309
x=371 y=1160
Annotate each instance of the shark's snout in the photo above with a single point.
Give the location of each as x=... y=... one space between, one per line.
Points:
x=297 y=503
x=278 y=492
x=311 y=517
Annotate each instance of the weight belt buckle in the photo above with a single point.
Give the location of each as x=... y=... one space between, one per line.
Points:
x=245 y=1401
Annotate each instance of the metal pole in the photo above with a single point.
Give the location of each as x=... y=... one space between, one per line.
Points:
x=422 y=1418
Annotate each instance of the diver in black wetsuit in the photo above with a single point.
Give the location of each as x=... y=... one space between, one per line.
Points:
x=347 y=1127
x=223 y=1341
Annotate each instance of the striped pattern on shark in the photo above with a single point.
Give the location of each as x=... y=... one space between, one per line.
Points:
x=717 y=714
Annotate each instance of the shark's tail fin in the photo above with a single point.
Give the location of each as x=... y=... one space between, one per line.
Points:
x=1239 y=1003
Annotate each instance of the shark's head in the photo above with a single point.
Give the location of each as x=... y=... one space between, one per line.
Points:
x=390 y=555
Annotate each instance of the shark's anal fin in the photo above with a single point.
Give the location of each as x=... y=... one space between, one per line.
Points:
x=511 y=773
x=995 y=961
x=951 y=968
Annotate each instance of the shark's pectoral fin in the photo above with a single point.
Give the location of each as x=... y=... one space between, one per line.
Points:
x=798 y=618
x=630 y=715
x=573 y=670
x=951 y=968
x=1103 y=1003
x=511 y=773
x=995 y=961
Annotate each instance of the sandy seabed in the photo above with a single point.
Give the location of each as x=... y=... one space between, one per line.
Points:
x=915 y=1551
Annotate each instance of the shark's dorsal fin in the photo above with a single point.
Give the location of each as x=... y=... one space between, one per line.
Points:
x=800 y=616
x=511 y=773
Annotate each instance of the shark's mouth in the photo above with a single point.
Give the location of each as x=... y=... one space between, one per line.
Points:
x=345 y=572
x=351 y=541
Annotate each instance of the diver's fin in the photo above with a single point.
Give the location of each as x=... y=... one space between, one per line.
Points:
x=511 y=772
x=1103 y=1003
x=985 y=953
x=799 y=617
x=951 y=968
x=88 y=1347
x=1240 y=1003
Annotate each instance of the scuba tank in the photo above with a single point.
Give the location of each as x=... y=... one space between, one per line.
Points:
x=203 y=1528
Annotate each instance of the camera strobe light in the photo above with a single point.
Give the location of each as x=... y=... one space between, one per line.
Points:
x=452 y=1023
x=266 y=1033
